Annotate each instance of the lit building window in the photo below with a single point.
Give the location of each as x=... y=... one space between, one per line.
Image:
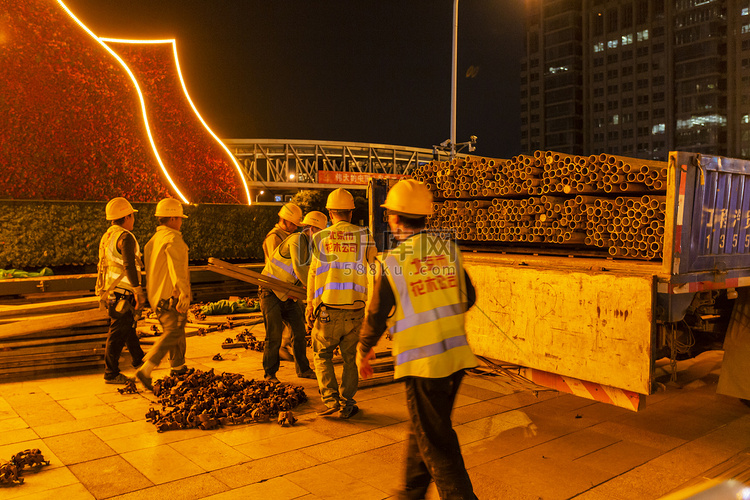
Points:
x=612 y=44
x=701 y=121
x=598 y=47
x=659 y=128
x=745 y=11
x=627 y=39
x=642 y=36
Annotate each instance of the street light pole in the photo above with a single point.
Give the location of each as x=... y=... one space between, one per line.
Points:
x=454 y=70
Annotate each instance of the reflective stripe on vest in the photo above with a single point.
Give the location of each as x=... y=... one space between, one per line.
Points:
x=341 y=286
x=432 y=349
x=324 y=267
x=429 y=339
x=280 y=270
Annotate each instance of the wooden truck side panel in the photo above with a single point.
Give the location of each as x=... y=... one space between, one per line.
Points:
x=594 y=326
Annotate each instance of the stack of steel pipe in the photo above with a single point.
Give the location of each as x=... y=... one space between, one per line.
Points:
x=602 y=201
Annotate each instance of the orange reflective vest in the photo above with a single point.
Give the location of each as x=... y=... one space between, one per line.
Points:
x=426 y=275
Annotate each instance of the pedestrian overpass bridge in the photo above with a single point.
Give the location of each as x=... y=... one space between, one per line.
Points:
x=290 y=165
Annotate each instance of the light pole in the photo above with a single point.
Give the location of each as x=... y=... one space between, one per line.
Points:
x=450 y=144
x=454 y=73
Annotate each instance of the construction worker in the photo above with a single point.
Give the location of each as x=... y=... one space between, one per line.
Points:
x=118 y=286
x=421 y=293
x=336 y=298
x=290 y=217
x=289 y=262
x=168 y=286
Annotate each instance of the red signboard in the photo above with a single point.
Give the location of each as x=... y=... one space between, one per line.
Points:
x=333 y=177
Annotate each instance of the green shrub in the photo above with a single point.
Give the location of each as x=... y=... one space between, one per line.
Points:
x=58 y=233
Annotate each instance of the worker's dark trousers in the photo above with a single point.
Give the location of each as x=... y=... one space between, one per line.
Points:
x=275 y=313
x=433 y=451
x=121 y=332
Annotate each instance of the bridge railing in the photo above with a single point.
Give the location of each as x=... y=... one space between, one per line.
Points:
x=268 y=161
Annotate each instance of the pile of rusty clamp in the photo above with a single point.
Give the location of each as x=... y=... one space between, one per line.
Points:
x=130 y=388
x=246 y=340
x=207 y=400
x=11 y=472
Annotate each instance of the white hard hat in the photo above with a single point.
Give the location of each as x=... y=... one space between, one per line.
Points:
x=119 y=207
x=315 y=218
x=340 y=199
x=292 y=213
x=169 y=207
x=409 y=197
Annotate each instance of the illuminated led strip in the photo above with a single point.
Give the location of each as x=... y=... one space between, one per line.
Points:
x=195 y=110
x=140 y=96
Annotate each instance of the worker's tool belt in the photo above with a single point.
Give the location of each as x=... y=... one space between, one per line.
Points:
x=121 y=304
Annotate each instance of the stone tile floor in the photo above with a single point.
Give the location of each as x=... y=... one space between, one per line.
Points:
x=519 y=442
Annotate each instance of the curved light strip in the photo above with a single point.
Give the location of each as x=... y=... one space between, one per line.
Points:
x=195 y=110
x=140 y=96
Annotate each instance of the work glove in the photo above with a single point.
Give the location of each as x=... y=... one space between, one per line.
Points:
x=183 y=303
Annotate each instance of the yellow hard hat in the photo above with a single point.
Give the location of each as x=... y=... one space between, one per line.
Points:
x=119 y=207
x=315 y=218
x=340 y=199
x=292 y=213
x=169 y=207
x=409 y=197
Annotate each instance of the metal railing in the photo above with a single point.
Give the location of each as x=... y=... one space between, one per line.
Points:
x=296 y=163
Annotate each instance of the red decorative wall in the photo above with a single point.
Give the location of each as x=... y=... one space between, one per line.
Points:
x=71 y=125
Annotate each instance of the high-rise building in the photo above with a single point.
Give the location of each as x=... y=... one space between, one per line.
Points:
x=637 y=77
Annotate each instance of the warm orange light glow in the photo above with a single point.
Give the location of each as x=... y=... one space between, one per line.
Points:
x=140 y=96
x=192 y=105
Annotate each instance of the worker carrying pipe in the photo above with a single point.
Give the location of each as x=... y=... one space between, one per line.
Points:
x=290 y=218
x=290 y=263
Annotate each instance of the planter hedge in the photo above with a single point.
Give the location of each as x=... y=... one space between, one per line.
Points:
x=36 y=234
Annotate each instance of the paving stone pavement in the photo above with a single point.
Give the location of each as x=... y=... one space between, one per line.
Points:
x=519 y=442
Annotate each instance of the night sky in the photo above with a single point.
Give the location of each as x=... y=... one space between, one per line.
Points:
x=356 y=70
